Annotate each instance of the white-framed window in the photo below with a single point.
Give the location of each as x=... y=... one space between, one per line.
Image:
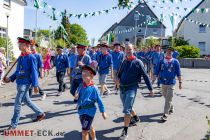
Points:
x=3 y=32
x=155 y=31
x=202 y=46
x=202 y=29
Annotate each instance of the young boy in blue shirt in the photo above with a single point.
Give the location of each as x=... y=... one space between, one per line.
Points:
x=87 y=95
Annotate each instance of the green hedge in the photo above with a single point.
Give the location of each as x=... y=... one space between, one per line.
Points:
x=188 y=51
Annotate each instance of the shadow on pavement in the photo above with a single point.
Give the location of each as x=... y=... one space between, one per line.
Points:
x=145 y=118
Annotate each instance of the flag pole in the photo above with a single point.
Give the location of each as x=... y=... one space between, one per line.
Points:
x=36 y=24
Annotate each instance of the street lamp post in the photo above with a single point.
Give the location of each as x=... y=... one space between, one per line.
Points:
x=7 y=15
x=136 y=18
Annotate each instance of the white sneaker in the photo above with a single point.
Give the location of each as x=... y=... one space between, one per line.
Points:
x=124 y=135
x=43 y=97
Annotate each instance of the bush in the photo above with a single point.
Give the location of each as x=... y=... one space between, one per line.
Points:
x=188 y=51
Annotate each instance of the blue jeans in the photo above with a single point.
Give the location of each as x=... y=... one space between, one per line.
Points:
x=23 y=96
x=74 y=85
x=127 y=98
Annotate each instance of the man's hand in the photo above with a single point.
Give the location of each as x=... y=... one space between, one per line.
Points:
x=41 y=74
x=154 y=79
x=180 y=85
x=6 y=80
x=68 y=72
x=36 y=90
x=76 y=96
x=104 y=115
x=151 y=94
x=80 y=63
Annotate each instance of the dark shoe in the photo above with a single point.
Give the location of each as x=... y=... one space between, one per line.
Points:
x=105 y=93
x=75 y=101
x=171 y=111
x=10 y=128
x=124 y=135
x=39 y=118
x=164 y=118
x=134 y=121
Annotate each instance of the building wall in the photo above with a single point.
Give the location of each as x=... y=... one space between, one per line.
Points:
x=15 y=21
x=131 y=35
x=190 y=31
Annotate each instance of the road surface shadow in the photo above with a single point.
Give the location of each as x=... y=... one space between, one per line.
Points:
x=63 y=103
x=144 y=118
x=50 y=89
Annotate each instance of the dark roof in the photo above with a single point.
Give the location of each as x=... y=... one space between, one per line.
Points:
x=180 y=23
x=128 y=20
x=143 y=9
x=110 y=29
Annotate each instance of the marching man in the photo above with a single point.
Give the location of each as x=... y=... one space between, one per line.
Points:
x=167 y=70
x=129 y=74
x=25 y=75
x=61 y=64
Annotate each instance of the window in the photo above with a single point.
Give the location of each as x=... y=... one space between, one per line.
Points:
x=202 y=29
x=155 y=31
x=202 y=46
x=3 y=32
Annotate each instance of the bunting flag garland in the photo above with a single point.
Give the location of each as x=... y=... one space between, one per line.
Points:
x=196 y=22
x=36 y=4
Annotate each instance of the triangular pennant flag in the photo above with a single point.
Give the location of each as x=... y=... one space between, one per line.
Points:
x=53 y=16
x=172 y=1
x=207 y=9
x=36 y=4
x=70 y=15
x=197 y=10
x=93 y=14
x=85 y=15
x=79 y=16
x=202 y=10
x=44 y=4
x=185 y=9
x=180 y=0
x=153 y=6
x=172 y=21
x=99 y=12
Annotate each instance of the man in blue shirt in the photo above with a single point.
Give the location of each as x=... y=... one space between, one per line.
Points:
x=117 y=57
x=168 y=69
x=61 y=64
x=157 y=56
x=25 y=75
x=129 y=76
x=40 y=66
x=76 y=70
x=104 y=63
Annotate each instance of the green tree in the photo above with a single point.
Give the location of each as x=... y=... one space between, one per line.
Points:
x=188 y=51
x=45 y=33
x=3 y=44
x=177 y=41
x=151 y=42
x=64 y=32
x=78 y=35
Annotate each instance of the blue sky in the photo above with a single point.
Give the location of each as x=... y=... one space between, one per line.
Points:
x=95 y=26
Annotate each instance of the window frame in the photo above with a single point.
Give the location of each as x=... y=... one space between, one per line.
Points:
x=203 y=29
x=204 y=44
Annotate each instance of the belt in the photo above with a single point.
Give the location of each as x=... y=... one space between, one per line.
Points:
x=86 y=107
x=22 y=77
x=128 y=85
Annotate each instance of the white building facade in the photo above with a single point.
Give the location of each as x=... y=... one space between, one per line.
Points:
x=14 y=9
x=197 y=34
